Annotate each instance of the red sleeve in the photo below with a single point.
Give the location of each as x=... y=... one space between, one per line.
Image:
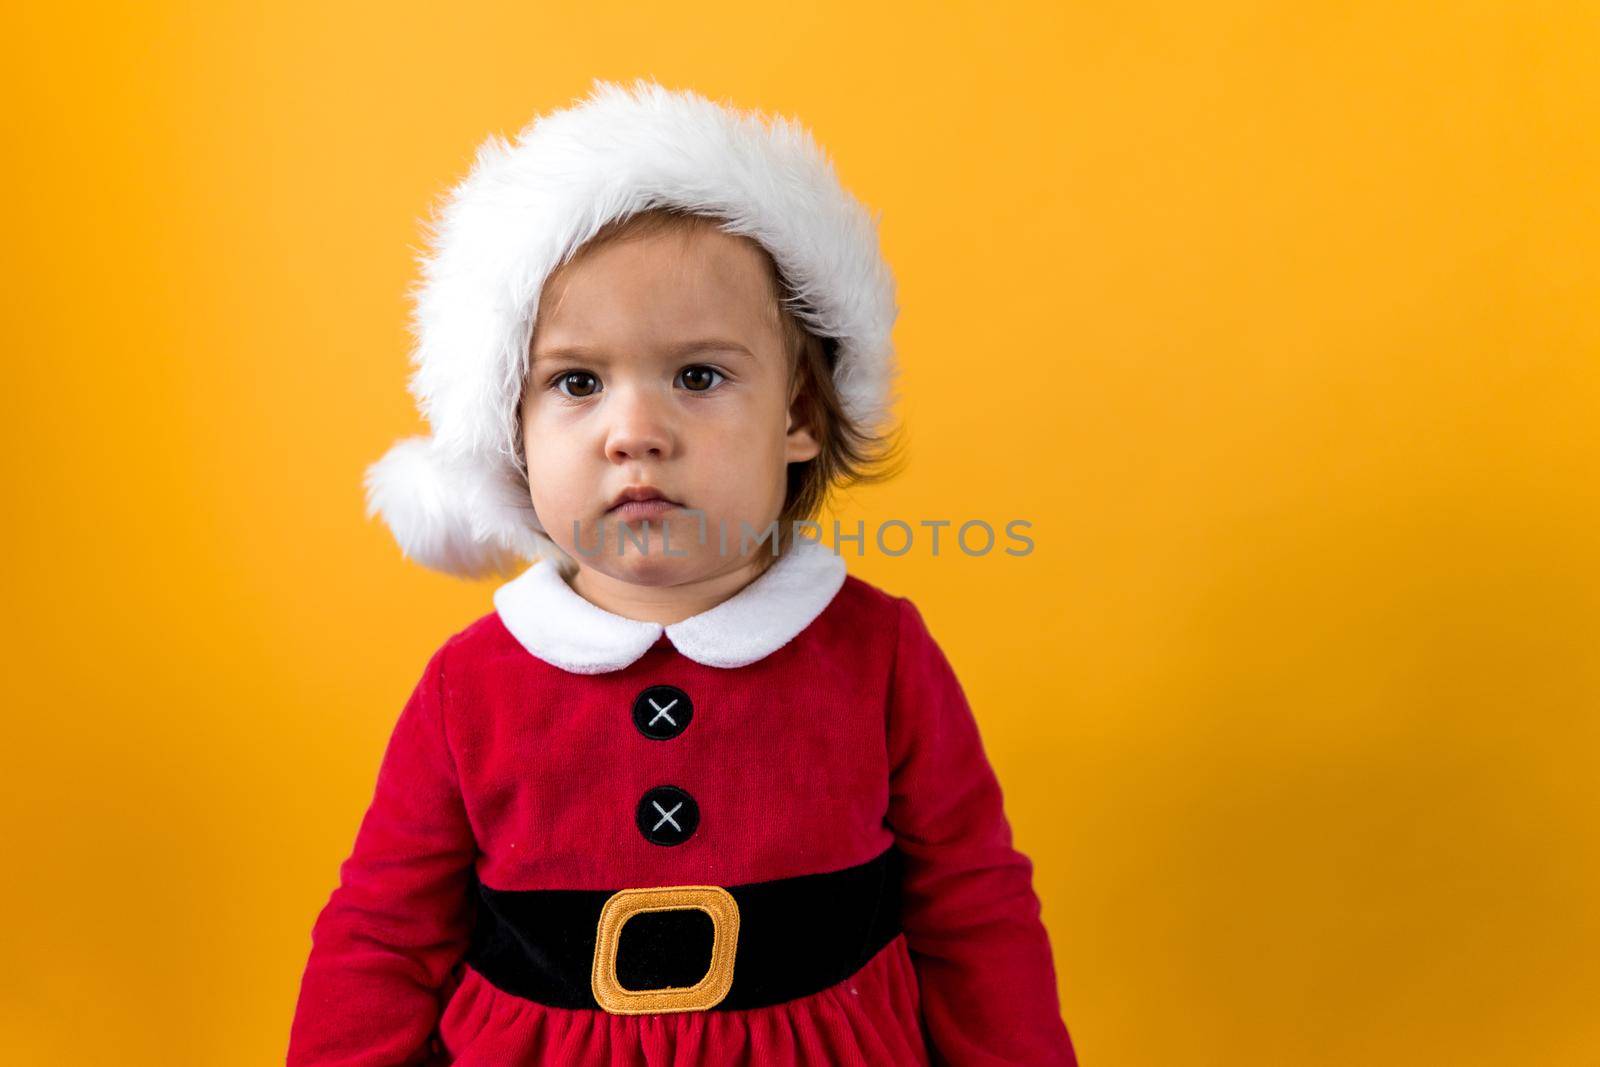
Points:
x=970 y=914
x=390 y=934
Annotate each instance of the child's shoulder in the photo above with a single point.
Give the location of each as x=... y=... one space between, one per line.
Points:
x=865 y=597
x=899 y=616
x=859 y=595
x=869 y=608
x=478 y=644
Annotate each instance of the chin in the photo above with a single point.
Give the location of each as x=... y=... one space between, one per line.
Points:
x=654 y=568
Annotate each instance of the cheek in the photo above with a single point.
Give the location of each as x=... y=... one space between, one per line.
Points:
x=553 y=474
x=740 y=458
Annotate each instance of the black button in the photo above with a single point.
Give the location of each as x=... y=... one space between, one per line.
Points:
x=667 y=815
x=662 y=712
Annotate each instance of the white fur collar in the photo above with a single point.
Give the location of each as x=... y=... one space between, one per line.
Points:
x=550 y=620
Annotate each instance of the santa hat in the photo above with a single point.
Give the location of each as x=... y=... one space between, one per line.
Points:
x=456 y=500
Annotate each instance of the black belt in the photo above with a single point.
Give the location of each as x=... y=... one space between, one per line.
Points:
x=688 y=948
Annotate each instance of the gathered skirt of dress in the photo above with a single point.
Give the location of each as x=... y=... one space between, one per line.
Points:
x=871 y=1019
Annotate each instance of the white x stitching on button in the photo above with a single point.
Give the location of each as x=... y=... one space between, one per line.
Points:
x=661 y=712
x=667 y=816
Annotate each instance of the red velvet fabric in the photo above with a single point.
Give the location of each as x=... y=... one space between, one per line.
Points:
x=853 y=735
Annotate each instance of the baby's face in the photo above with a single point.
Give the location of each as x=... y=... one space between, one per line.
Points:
x=657 y=362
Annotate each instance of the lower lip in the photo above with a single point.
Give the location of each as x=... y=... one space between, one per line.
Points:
x=642 y=509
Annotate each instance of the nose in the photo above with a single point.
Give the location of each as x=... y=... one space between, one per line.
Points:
x=639 y=427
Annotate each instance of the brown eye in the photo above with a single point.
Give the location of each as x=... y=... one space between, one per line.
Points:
x=699 y=378
x=582 y=382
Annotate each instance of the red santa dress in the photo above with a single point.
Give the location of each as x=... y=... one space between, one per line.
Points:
x=793 y=776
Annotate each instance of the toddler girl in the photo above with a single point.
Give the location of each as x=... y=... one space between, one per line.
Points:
x=691 y=794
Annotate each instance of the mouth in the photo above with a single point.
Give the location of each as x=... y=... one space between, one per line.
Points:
x=641 y=502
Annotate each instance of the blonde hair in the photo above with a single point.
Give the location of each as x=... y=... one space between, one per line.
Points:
x=850 y=454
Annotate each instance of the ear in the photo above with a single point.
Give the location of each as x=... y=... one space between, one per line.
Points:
x=799 y=443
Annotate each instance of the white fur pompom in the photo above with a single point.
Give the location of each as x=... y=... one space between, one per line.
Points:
x=436 y=508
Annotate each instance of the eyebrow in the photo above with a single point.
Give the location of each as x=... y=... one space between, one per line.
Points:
x=685 y=348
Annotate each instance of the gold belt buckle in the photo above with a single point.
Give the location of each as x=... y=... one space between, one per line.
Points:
x=706 y=993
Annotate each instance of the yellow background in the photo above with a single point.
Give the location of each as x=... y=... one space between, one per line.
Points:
x=1279 y=321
